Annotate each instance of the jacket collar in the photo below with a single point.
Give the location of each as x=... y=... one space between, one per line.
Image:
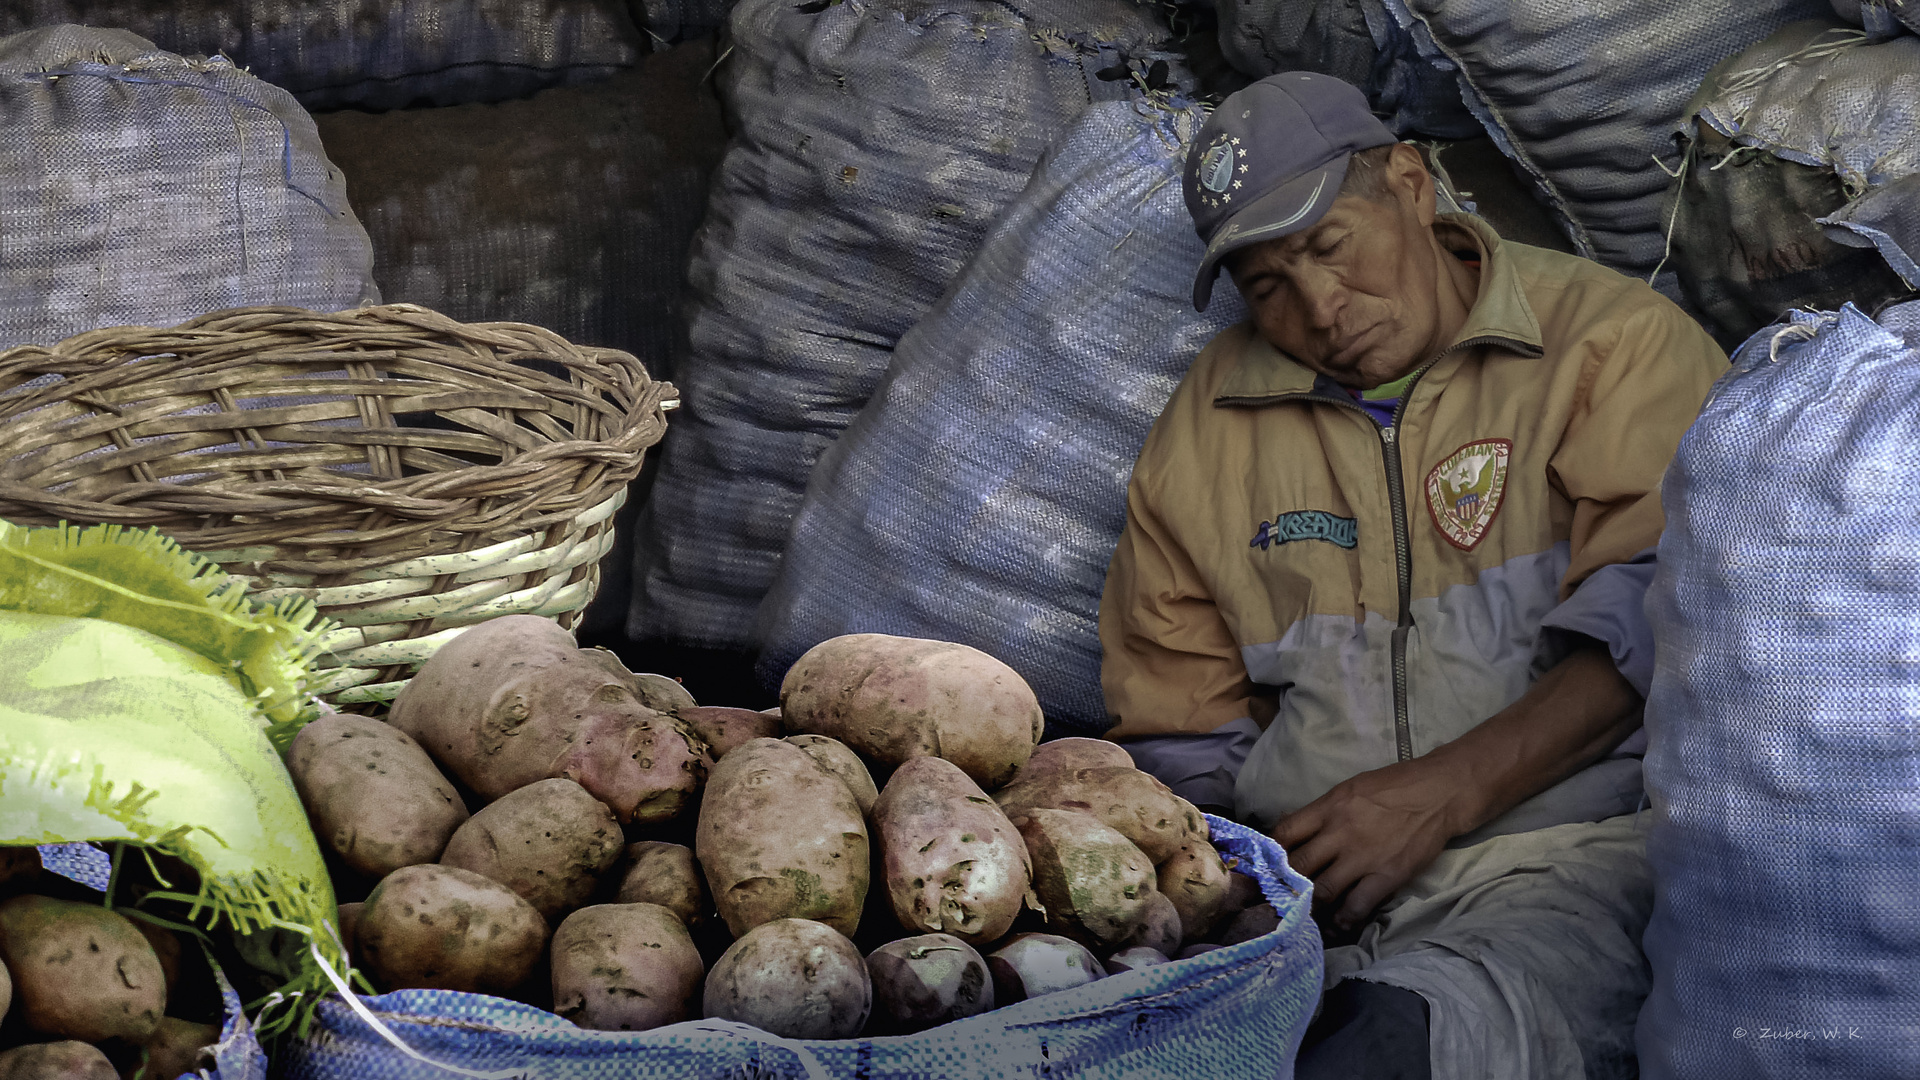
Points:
x=1500 y=317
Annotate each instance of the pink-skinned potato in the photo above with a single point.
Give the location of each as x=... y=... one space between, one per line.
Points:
x=842 y=763
x=1196 y=881
x=927 y=980
x=512 y=701
x=1094 y=884
x=166 y=949
x=1135 y=958
x=656 y=692
x=69 y=1059
x=952 y=861
x=80 y=971
x=796 y=978
x=656 y=872
x=722 y=728
x=442 y=928
x=625 y=967
x=373 y=795
x=20 y=864
x=175 y=1047
x=6 y=991
x=349 y=924
x=1032 y=965
x=1243 y=892
x=1161 y=931
x=549 y=842
x=1066 y=755
x=891 y=699
x=780 y=837
x=1141 y=808
x=1256 y=921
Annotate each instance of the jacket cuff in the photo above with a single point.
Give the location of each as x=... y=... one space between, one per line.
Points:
x=1199 y=768
x=1610 y=607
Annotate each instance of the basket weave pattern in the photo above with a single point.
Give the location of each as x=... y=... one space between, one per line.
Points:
x=410 y=474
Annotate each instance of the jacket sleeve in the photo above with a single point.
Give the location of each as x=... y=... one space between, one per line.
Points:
x=1640 y=397
x=1169 y=664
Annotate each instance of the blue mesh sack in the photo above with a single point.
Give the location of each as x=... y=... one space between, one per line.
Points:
x=1784 y=717
x=138 y=187
x=978 y=497
x=1583 y=96
x=874 y=143
x=376 y=54
x=1232 y=1012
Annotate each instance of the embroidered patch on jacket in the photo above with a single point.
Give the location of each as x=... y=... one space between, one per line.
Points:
x=1307 y=525
x=1464 y=491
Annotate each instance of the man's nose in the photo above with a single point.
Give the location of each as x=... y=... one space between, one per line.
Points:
x=1323 y=298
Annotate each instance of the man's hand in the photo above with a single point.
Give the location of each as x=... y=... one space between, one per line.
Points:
x=1370 y=835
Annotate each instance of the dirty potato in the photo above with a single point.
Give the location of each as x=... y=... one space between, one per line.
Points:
x=780 y=837
x=443 y=928
x=894 y=698
x=549 y=841
x=80 y=971
x=372 y=794
x=625 y=967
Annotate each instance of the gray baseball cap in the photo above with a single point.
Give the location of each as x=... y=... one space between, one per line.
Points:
x=1270 y=161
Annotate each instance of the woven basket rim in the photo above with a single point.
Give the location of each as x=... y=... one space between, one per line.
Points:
x=325 y=519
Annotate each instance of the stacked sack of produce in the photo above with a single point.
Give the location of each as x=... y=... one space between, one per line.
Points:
x=1581 y=97
x=1801 y=179
x=572 y=210
x=874 y=143
x=1415 y=93
x=376 y=54
x=1784 y=720
x=139 y=187
x=887 y=853
x=1881 y=19
x=978 y=496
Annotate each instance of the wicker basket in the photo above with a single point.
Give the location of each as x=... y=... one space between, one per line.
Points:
x=411 y=474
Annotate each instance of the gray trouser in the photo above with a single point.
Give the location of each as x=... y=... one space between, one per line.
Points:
x=1527 y=950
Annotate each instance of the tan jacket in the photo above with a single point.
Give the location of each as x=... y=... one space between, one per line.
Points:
x=1388 y=586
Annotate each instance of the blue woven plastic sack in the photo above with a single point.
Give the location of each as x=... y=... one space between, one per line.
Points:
x=979 y=495
x=1784 y=717
x=1235 y=1012
x=1583 y=96
x=874 y=144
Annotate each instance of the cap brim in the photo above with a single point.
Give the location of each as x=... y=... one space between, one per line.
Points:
x=1292 y=207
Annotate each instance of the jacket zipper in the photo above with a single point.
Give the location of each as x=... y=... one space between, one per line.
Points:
x=1403 y=565
x=1402 y=553
x=1402 y=541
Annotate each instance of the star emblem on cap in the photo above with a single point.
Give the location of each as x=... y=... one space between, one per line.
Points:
x=1236 y=183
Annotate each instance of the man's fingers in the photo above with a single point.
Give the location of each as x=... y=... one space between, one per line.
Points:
x=1333 y=882
x=1297 y=828
x=1311 y=859
x=1367 y=895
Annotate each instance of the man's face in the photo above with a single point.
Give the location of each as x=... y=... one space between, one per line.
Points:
x=1357 y=297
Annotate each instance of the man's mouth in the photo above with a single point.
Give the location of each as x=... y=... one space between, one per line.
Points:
x=1349 y=351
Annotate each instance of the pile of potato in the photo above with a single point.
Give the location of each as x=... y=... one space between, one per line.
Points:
x=87 y=993
x=633 y=859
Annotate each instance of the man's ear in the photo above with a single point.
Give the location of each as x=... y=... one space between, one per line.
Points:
x=1411 y=183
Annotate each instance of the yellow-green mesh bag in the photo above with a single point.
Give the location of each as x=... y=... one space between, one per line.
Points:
x=145 y=701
